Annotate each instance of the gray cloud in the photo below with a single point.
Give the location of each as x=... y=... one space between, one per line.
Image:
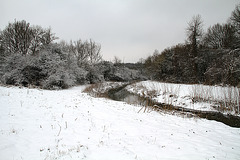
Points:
x=129 y=29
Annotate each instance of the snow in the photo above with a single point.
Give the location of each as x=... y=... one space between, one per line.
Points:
x=182 y=95
x=68 y=124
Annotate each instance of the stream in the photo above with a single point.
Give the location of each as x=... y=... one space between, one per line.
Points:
x=121 y=94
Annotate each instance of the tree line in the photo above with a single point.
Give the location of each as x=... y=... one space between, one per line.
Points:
x=211 y=57
x=29 y=55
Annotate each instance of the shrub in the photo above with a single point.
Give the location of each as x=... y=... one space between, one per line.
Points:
x=58 y=80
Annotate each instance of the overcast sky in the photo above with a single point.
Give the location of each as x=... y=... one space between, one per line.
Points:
x=128 y=29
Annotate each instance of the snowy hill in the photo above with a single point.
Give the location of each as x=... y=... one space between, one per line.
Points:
x=69 y=124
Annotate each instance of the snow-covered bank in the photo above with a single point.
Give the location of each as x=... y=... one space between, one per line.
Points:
x=68 y=124
x=199 y=97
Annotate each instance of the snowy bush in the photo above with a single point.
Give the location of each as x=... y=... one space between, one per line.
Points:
x=59 y=80
x=59 y=68
x=51 y=68
x=32 y=75
x=12 y=67
x=80 y=76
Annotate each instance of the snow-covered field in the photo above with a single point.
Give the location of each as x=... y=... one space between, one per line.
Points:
x=69 y=124
x=199 y=97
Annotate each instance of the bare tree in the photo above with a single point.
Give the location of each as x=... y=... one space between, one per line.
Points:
x=20 y=37
x=87 y=52
x=36 y=34
x=194 y=33
x=48 y=37
x=220 y=36
x=80 y=50
x=116 y=60
x=94 y=52
x=16 y=37
x=235 y=19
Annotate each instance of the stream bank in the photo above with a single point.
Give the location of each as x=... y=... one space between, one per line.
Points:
x=121 y=94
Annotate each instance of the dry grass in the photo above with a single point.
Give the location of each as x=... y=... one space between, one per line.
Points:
x=95 y=90
x=225 y=99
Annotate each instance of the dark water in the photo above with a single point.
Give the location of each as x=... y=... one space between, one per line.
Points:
x=125 y=96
